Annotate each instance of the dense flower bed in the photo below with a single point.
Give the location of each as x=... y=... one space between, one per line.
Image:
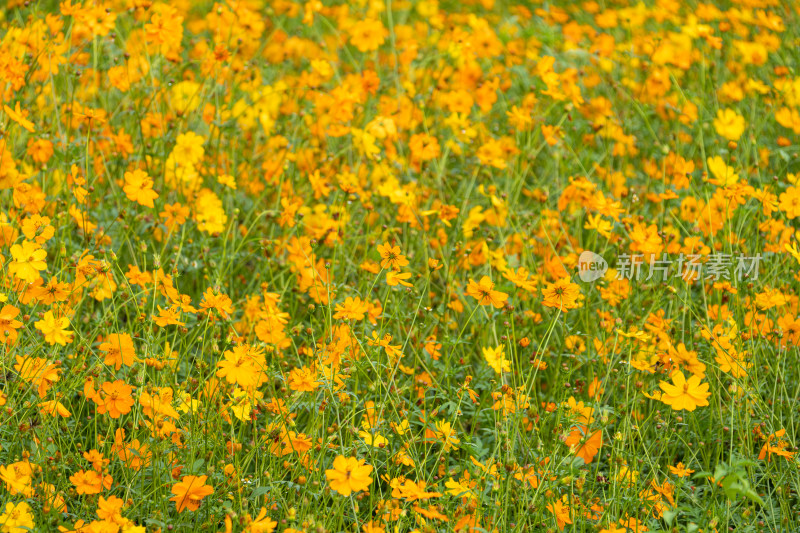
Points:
x=399 y=265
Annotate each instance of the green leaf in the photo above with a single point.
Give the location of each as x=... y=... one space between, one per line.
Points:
x=259 y=491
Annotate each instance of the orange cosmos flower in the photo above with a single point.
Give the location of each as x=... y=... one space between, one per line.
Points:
x=351 y=309
x=497 y=359
x=119 y=350
x=261 y=523
x=16 y=478
x=54 y=329
x=242 y=366
x=139 y=188
x=391 y=256
x=585 y=447
x=394 y=278
x=349 y=475
x=485 y=294
x=683 y=394
x=167 y=317
x=368 y=35
x=214 y=300
x=424 y=147
x=561 y=513
x=38 y=371
x=18 y=116
x=114 y=398
x=163 y=26
x=17 y=518
x=303 y=379
x=90 y=482
x=28 y=261
x=8 y=324
x=54 y=408
x=189 y=492
x=680 y=470
x=790 y=202
x=776 y=445
x=729 y=124
x=561 y=295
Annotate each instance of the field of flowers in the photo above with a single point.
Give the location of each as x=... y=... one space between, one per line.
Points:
x=400 y=265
